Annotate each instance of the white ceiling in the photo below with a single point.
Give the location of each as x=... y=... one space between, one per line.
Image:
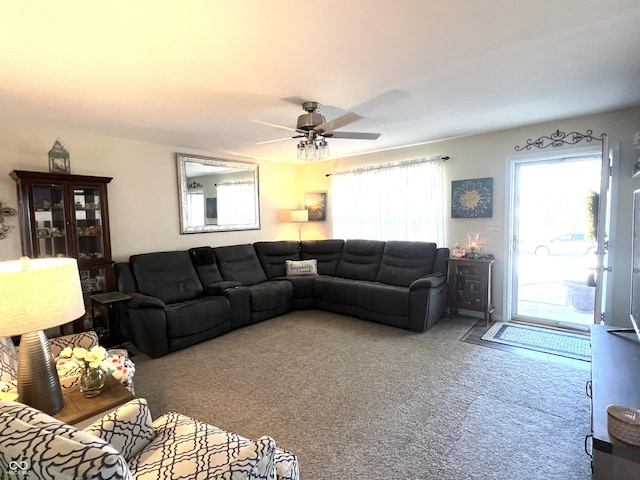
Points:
x=198 y=73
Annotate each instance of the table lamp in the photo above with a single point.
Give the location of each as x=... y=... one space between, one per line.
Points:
x=300 y=215
x=38 y=294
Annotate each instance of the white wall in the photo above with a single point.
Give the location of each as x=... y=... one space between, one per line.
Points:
x=143 y=195
x=485 y=156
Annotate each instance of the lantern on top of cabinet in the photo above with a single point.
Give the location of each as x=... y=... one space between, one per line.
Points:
x=59 y=159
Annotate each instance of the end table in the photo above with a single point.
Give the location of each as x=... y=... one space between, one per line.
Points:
x=109 y=299
x=79 y=410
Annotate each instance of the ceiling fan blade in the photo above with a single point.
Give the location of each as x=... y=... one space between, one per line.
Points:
x=296 y=100
x=276 y=140
x=275 y=125
x=338 y=122
x=352 y=135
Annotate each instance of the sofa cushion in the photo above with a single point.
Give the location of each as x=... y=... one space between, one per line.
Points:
x=326 y=252
x=360 y=259
x=301 y=268
x=404 y=262
x=240 y=263
x=270 y=295
x=195 y=316
x=335 y=290
x=187 y=448
x=273 y=255
x=204 y=260
x=128 y=428
x=169 y=276
x=50 y=449
x=382 y=298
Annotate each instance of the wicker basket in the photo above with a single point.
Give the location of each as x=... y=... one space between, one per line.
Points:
x=624 y=423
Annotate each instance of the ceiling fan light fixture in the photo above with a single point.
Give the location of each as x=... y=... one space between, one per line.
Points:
x=311 y=150
x=323 y=149
x=302 y=154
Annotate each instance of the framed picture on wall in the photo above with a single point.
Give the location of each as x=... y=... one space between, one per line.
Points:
x=472 y=198
x=316 y=204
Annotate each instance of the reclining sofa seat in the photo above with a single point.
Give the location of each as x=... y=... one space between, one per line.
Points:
x=168 y=309
x=397 y=283
x=267 y=298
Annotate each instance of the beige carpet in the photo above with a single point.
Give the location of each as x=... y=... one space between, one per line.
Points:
x=359 y=400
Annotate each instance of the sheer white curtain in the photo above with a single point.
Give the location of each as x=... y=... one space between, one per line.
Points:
x=236 y=204
x=195 y=209
x=403 y=201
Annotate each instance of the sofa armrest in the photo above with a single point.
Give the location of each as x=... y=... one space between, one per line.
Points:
x=187 y=448
x=430 y=281
x=128 y=429
x=140 y=300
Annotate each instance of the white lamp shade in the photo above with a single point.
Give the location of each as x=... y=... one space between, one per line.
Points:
x=39 y=294
x=301 y=215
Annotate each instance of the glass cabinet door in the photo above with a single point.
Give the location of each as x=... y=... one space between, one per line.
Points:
x=50 y=221
x=89 y=225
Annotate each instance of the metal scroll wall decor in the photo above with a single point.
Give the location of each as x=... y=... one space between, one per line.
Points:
x=558 y=139
x=5 y=212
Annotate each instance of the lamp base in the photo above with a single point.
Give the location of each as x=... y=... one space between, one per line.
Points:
x=38 y=382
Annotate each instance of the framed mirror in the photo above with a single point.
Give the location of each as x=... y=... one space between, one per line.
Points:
x=217 y=195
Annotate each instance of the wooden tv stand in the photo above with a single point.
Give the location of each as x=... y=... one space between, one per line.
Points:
x=615 y=362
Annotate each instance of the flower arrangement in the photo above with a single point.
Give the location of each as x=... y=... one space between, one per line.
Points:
x=86 y=359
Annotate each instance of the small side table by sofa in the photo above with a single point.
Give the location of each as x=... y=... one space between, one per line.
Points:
x=470 y=286
x=109 y=299
x=81 y=411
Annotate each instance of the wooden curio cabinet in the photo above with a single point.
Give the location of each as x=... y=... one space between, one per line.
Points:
x=470 y=286
x=64 y=215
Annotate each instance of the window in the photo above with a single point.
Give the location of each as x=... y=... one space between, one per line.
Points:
x=402 y=201
x=236 y=203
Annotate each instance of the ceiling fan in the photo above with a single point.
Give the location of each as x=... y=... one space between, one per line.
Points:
x=314 y=129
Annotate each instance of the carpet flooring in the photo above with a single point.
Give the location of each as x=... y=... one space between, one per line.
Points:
x=358 y=400
x=555 y=342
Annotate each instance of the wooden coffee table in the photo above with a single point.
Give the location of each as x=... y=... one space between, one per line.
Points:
x=78 y=409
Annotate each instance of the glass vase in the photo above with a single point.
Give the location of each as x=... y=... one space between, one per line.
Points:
x=92 y=381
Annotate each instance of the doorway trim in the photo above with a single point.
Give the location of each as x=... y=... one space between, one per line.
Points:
x=510 y=163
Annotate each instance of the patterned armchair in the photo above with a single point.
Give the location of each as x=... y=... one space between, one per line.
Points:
x=117 y=363
x=127 y=444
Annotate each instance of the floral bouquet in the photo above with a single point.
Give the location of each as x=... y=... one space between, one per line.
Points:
x=86 y=359
x=72 y=362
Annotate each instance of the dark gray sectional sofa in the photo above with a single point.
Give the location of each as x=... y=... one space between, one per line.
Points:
x=183 y=297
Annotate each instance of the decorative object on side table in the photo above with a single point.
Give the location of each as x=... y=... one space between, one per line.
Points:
x=472 y=238
x=458 y=251
x=31 y=304
x=59 y=159
x=93 y=376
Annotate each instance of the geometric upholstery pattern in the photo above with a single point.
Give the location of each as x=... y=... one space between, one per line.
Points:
x=86 y=340
x=35 y=445
x=8 y=365
x=31 y=451
x=186 y=448
x=286 y=465
x=117 y=363
x=128 y=429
